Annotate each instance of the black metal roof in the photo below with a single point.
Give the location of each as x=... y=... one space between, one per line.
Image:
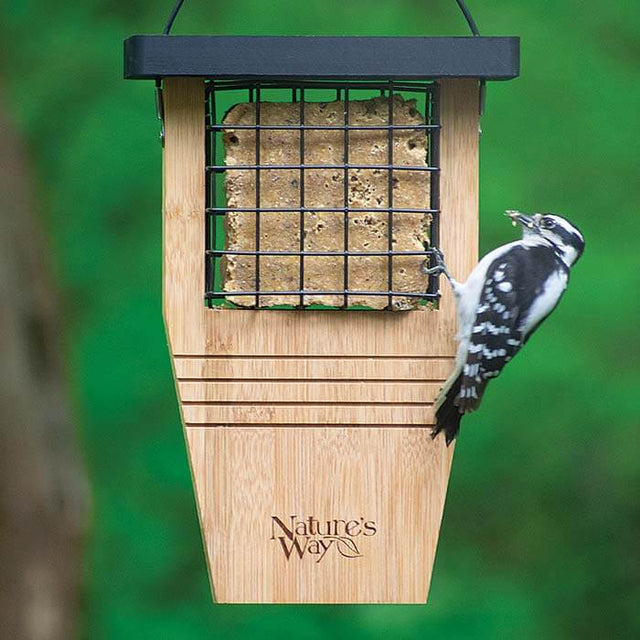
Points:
x=153 y=56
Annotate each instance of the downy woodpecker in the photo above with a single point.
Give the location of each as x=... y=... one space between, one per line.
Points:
x=504 y=300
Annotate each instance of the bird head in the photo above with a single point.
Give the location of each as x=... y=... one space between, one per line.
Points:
x=565 y=238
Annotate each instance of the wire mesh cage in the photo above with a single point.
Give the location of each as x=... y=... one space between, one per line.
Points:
x=343 y=233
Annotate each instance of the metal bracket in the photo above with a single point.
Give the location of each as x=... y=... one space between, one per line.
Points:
x=482 y=103
x=160 y=108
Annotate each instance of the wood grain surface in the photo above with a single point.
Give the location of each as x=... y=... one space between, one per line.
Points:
x=393 y=478
x=313 y=414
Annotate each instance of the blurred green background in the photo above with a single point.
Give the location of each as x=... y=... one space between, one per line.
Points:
x=542 y=522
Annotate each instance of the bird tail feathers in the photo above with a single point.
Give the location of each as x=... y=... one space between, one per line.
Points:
x=448 y=413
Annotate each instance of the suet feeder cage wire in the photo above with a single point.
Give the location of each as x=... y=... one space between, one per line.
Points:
x=308 y=432
x=299 y=92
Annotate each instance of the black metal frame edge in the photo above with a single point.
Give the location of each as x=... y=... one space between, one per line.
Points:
x=489 y=58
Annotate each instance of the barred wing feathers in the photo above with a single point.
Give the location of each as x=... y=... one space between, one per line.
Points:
x=495 y=336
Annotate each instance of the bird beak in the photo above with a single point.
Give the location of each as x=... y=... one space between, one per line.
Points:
x=526 y=221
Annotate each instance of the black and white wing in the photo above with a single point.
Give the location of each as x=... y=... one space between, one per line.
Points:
x=495 y=334
x=521 y=288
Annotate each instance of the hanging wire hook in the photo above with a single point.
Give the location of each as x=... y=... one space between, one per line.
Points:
x=172 y=17
x=461 y=3
x=178 y=5
x=476 y=34
x=468 y=17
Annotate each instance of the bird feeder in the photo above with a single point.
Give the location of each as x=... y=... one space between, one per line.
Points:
x=307 y=180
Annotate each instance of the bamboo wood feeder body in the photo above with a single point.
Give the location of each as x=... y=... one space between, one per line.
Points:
x=308 y=429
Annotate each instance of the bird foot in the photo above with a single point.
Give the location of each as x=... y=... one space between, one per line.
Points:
x=438 y=267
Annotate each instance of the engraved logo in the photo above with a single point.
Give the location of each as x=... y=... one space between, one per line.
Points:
x=311 y=537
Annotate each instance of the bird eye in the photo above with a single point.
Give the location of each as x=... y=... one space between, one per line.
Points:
x=548 y=223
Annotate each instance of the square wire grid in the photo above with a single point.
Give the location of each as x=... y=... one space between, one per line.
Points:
x=222 y=94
